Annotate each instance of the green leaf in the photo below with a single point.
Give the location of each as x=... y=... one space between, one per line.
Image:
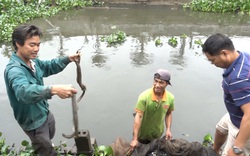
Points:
x=115 y=38
x=5 y=149
x=104 y=150
x=173 y=41
x=25 y=143
x=207 y=140
x=183 y=36
x=158 y=42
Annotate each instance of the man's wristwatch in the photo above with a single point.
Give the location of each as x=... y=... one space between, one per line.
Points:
x=237 y=150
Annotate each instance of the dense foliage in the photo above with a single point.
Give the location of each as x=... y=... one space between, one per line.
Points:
x=27 y=150
x=14 y=13
x=220 y=6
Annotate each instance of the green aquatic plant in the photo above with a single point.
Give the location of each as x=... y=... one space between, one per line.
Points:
x=26 y=149
x=9 y=9
x=158 y=42
x=117 y=37
x=207 y=140
x=220 y=6
x=72 y=4
x=4 y=149
x=198 y=42
x=173 y=41
x=103 y=151
x=183 y=36
x=7 y=150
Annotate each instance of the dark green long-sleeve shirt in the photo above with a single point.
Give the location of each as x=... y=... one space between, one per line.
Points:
x=26 y=90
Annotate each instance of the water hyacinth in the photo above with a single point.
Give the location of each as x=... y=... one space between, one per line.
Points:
x=33 y=9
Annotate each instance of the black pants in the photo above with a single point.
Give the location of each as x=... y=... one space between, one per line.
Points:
x=41 y=137
x=144 y=141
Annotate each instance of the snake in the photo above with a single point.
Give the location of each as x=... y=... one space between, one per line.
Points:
x=74 y=102
x=79 y=77
x=75 y=118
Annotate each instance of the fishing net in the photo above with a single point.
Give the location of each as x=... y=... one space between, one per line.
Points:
x=162 y=147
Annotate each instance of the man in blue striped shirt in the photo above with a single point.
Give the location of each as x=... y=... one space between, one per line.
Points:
x=235 y=125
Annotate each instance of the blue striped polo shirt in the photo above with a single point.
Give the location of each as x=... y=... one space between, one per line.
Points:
x=236 y=86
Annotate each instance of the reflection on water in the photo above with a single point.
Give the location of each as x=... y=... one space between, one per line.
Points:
x=116 y=75
x=141 y=56
x=139 y=52
x=99 y=58
x=6 y=51
x=55 y=31
x=177 y=56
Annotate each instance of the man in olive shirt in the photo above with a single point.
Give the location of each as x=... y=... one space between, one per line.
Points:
x=154 y=106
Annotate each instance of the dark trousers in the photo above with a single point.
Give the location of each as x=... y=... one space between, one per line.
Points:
x=143 y=141
x=41 y=137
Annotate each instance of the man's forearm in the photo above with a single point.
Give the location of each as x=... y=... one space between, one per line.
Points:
x=137 y=125
x=244 y=134
x=168 y=120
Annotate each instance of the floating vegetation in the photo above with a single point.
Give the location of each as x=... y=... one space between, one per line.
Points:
x=9 y=9
x=208 y=140
x=158 y=42
x=26 y=149
x=219 y=6
x=173 y=41
x=117 y=37
x=183 y=36
x=198 y=42
x=103 y=151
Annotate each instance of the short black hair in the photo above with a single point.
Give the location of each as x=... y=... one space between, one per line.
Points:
x=23 y=32
x=217 y=42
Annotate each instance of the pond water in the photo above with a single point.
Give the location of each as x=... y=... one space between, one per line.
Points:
x=116 y=75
